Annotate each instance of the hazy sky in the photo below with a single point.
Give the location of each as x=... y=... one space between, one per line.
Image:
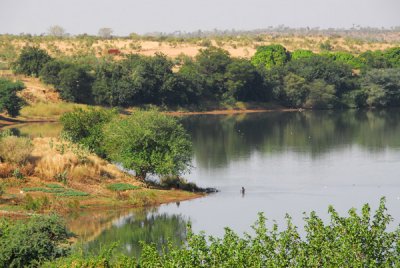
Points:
x=126 y=16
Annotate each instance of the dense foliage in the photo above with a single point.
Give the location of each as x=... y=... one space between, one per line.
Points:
x=148 y=143
x=294 y=79
x=9 y=100
x=28 y=243
x=358 y=240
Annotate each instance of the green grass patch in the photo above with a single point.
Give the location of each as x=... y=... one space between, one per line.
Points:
x=57 y=190
x=70 y=193
x=122 y=187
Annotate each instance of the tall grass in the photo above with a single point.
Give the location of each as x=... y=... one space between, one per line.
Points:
x=49 y=110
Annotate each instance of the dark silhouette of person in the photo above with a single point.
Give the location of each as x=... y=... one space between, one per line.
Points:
x=242 y=191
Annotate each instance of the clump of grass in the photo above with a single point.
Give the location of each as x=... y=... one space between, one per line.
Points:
x=117 y=187
x=36 y=204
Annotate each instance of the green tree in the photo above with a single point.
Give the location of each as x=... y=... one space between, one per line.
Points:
x=295 y=89
x=382 y=87
x=31 y=61
x=51 y=70
x=9 y=100
x=392 y=55
x=319 y=67
x=321 y=95
x=86 y=127
x=269 y=56
x=149 y=143
x=211 y=65
x=373 y=60
x=345 y=57
x=244 y=83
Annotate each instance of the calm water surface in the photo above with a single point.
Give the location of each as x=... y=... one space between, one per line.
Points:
x=291 y=162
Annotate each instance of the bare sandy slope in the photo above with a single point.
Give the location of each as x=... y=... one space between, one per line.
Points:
x=237 y=46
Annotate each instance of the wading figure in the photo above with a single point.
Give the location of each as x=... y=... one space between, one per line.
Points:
x=242 y=191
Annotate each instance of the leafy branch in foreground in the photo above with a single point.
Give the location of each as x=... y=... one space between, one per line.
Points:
x=358 y=240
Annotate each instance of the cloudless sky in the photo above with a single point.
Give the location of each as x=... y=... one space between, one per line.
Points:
x=127 y=16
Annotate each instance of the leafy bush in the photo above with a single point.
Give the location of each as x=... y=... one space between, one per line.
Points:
x=121 y=187
x=31 y=242
x=85 y=127
x=31 y=61
x=148 y=142
x=9 y=101
x=15 y=150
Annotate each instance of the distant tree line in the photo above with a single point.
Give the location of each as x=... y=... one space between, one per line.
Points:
x=295 y=79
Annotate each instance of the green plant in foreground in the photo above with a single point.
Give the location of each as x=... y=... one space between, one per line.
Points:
x=28 y=243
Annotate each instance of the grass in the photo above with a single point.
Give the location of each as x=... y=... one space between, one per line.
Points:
x=122 y=187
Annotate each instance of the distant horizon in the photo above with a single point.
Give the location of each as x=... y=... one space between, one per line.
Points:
x=133 y=16
x=281 y=27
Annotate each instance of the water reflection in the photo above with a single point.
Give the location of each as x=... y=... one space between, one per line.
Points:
x=102 y=229
x=219 y=139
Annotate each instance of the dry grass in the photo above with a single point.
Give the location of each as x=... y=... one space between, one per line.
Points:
x=237 y=46
x=15 y=150
x=48 y=110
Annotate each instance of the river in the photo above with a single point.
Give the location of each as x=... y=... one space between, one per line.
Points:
x=288 y=162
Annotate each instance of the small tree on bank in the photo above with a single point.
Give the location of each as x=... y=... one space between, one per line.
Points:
x=9 y=100
x=149 y=143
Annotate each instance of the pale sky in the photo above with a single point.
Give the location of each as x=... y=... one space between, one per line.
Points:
x=127 y=16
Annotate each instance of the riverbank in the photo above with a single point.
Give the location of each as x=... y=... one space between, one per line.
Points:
x=62 y=177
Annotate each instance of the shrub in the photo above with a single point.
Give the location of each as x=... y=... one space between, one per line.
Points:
x=31 y=242
x=149 y=143
x=15 y=150
x=85 y=127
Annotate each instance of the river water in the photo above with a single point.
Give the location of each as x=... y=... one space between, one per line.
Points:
x=288 y=162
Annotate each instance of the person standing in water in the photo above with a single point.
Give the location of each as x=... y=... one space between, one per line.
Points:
x=242 y=191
